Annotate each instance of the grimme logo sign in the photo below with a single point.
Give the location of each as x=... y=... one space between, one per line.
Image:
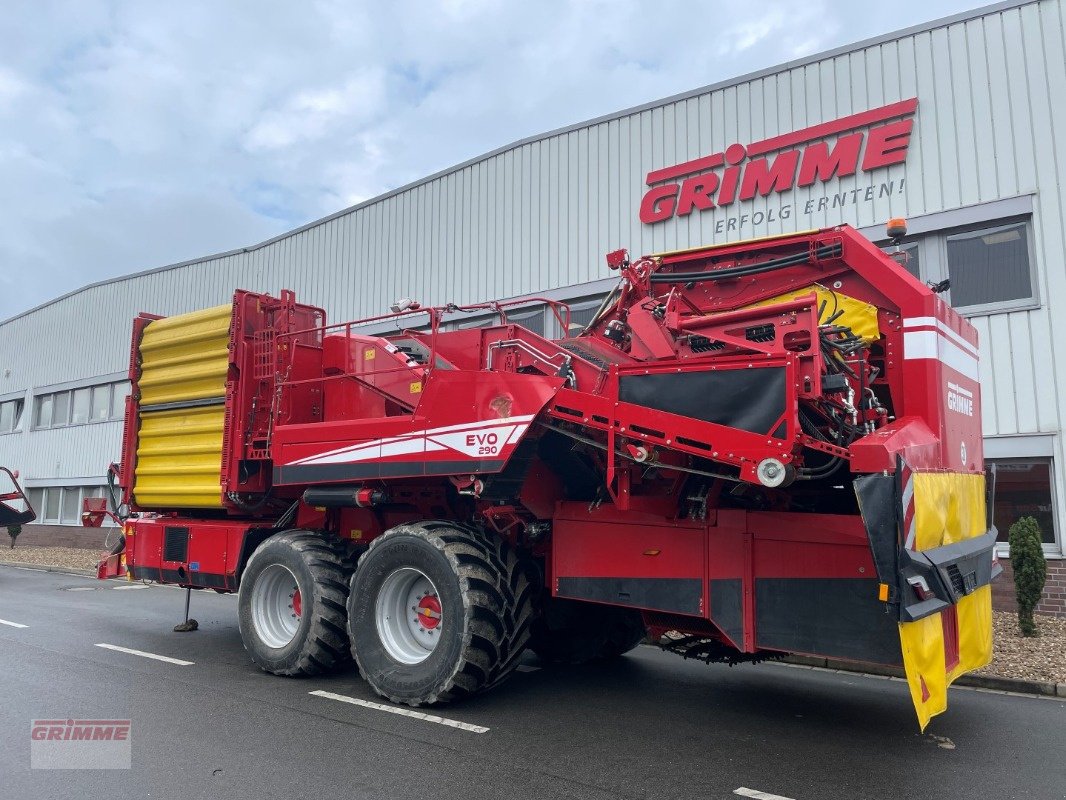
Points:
x=80 y=744
x=867 y=141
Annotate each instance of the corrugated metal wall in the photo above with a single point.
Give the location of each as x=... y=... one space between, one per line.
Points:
x=542 y=214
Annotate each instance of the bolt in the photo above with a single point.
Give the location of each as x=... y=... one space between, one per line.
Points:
x=770 y=470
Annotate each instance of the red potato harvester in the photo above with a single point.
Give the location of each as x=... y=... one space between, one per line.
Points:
x=753 y=449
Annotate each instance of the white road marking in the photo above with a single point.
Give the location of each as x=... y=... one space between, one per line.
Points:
x=129 y=586
x=81 y=588
x=745 y=792
x=143 y=654
x=13 y=624
x=403 y=712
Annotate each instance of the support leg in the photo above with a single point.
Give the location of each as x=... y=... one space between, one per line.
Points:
x=189 y=624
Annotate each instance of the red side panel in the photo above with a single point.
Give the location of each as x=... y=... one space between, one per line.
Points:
x=466 y=423
x=766 y=580
x=190 y=552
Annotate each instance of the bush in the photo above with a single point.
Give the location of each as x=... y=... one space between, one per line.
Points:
x=13 y=531
x=1030 y=570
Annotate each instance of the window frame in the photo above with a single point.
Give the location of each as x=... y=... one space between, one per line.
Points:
x=984 y=229
x=580 y=304
x=64 y=493
x=18 y=404
x=113 y=394
x=1053 y=548
x=933 y=264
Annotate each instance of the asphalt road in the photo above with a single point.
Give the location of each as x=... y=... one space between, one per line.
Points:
x=649 y=725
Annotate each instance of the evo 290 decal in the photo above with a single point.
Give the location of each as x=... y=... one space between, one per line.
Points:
x=487 y=439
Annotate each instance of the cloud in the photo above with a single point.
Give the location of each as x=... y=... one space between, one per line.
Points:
x=313 y=114
x=134 y=135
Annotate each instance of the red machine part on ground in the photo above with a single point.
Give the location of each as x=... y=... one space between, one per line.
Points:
x=718 y=457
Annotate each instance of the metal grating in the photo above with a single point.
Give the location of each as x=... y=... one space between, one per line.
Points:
x=176 y=544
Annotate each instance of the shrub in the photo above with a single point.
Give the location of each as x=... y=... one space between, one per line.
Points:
x=13 y=531
x=1030 y=570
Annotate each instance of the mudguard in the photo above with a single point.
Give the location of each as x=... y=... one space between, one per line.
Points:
x=935 y=558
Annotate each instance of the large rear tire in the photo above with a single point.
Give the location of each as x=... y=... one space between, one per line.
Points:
x=438 y=611
x=573 y=632
x=291 y=604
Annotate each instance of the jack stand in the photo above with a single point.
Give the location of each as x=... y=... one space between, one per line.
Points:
x=189 y=624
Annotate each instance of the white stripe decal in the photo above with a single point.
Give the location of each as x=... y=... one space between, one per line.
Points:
x=931 y=344
x=403 y=712
x=516 y=434
x=416 y=437
x=940 y=325
x=143 y=654
x=13 y=624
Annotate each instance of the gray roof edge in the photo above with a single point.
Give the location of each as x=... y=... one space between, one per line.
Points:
x=962 y=16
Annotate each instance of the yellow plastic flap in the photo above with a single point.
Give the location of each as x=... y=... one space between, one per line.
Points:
x=949 y=507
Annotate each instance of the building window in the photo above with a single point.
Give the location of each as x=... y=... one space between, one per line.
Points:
x=79 y=407
x=1023 y=489
x=990 y=268
x=532 y=320
x=10 y=415
x=44 y=412
x=990 y=265
x=52 y=504
x=581 y=312
x=912 y=261
x=61 y=505
x=101 y=403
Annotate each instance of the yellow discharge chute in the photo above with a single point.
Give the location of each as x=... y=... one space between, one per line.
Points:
x=949 y=507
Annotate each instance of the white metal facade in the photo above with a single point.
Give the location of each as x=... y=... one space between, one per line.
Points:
x=540 y=214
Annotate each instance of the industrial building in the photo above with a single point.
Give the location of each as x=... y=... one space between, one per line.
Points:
x=948 y=124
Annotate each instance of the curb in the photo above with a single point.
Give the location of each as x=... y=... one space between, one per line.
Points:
x=44 y=568
x=994 y=683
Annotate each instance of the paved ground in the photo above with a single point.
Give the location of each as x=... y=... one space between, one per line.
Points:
x=648 y=726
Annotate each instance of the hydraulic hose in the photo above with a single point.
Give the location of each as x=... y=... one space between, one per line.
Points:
x=795 y=259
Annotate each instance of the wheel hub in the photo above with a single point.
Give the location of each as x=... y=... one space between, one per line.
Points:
x=428 y=612
x=277 y=606
x=408 y=615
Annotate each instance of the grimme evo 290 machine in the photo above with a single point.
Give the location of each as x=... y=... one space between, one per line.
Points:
x=752 y=449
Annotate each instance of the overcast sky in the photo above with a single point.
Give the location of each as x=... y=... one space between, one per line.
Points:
x=138 y=134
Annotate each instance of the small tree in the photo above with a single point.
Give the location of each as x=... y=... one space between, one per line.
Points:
x=13 y=531
x=1030 y=570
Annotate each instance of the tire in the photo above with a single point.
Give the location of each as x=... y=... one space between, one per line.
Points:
x=474 y=585
x=573 y=632
x=312 y=638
